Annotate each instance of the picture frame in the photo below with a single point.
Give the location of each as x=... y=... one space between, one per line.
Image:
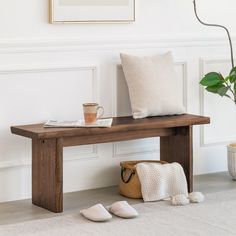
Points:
x=92 y=11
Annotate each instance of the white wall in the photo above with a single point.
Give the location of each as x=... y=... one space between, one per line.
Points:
x=48 y=71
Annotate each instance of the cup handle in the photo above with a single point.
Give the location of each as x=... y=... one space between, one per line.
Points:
x=102 y=112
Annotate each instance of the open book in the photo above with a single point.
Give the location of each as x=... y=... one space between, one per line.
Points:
x=78 y=123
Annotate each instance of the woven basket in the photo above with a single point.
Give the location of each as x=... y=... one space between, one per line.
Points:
x=129 y=183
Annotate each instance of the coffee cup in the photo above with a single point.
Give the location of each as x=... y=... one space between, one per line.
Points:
x=91 y=111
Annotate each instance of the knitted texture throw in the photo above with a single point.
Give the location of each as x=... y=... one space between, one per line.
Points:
x=161 y=181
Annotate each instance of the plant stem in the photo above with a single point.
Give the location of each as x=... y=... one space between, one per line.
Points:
x=232 y=100
x=216 y=25
x=232 y=92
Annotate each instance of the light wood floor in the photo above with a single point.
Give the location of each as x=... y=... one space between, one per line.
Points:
x=20 y=211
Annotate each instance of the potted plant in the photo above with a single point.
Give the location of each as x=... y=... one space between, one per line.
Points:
x=215 y=82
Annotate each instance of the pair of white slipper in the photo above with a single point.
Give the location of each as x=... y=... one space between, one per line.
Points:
x=122 y=209
x=99 y=213
x=182 y=199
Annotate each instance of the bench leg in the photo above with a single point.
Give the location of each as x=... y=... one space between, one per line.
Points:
x=47 y=174
x=178 y=148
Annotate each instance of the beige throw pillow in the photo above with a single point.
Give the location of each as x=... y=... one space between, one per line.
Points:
x=153 y=86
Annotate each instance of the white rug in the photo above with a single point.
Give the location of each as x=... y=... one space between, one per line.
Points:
x=216 y=216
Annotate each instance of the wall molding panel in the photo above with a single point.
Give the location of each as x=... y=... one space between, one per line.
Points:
x=134 y=42
x=17 y=69
x=76 y=156
x=15 y=164
x=91 y=151
x=184 y=66
x=129 y=151
x=217 y=140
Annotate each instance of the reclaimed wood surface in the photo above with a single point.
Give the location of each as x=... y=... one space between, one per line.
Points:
x=120 y=124
x=175 y=134
x=47 y=174
x=178 y=148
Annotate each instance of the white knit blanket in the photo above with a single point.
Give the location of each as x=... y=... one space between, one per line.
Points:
x=161 y=181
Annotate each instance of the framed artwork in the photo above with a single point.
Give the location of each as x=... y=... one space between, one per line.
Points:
x=86 y=11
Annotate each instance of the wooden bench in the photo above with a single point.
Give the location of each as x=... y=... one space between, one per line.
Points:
x=175 y=134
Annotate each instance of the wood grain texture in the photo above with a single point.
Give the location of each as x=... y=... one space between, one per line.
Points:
x=47 y=174
x=48 y=143
x=178 y=148
x=116 y=137
x=120 y=124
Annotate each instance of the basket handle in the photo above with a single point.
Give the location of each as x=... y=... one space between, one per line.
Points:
x=129 y=178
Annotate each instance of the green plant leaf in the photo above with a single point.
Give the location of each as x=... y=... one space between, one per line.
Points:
x=231 y=78
x=219 y=89
x=222 y=91
x=233 y=71
x=221 y=76
x=211 y=79
x=227 y=78
x=214 y=88
x=235 y=87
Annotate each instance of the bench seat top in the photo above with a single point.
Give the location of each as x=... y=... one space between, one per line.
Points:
x=120 y=124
